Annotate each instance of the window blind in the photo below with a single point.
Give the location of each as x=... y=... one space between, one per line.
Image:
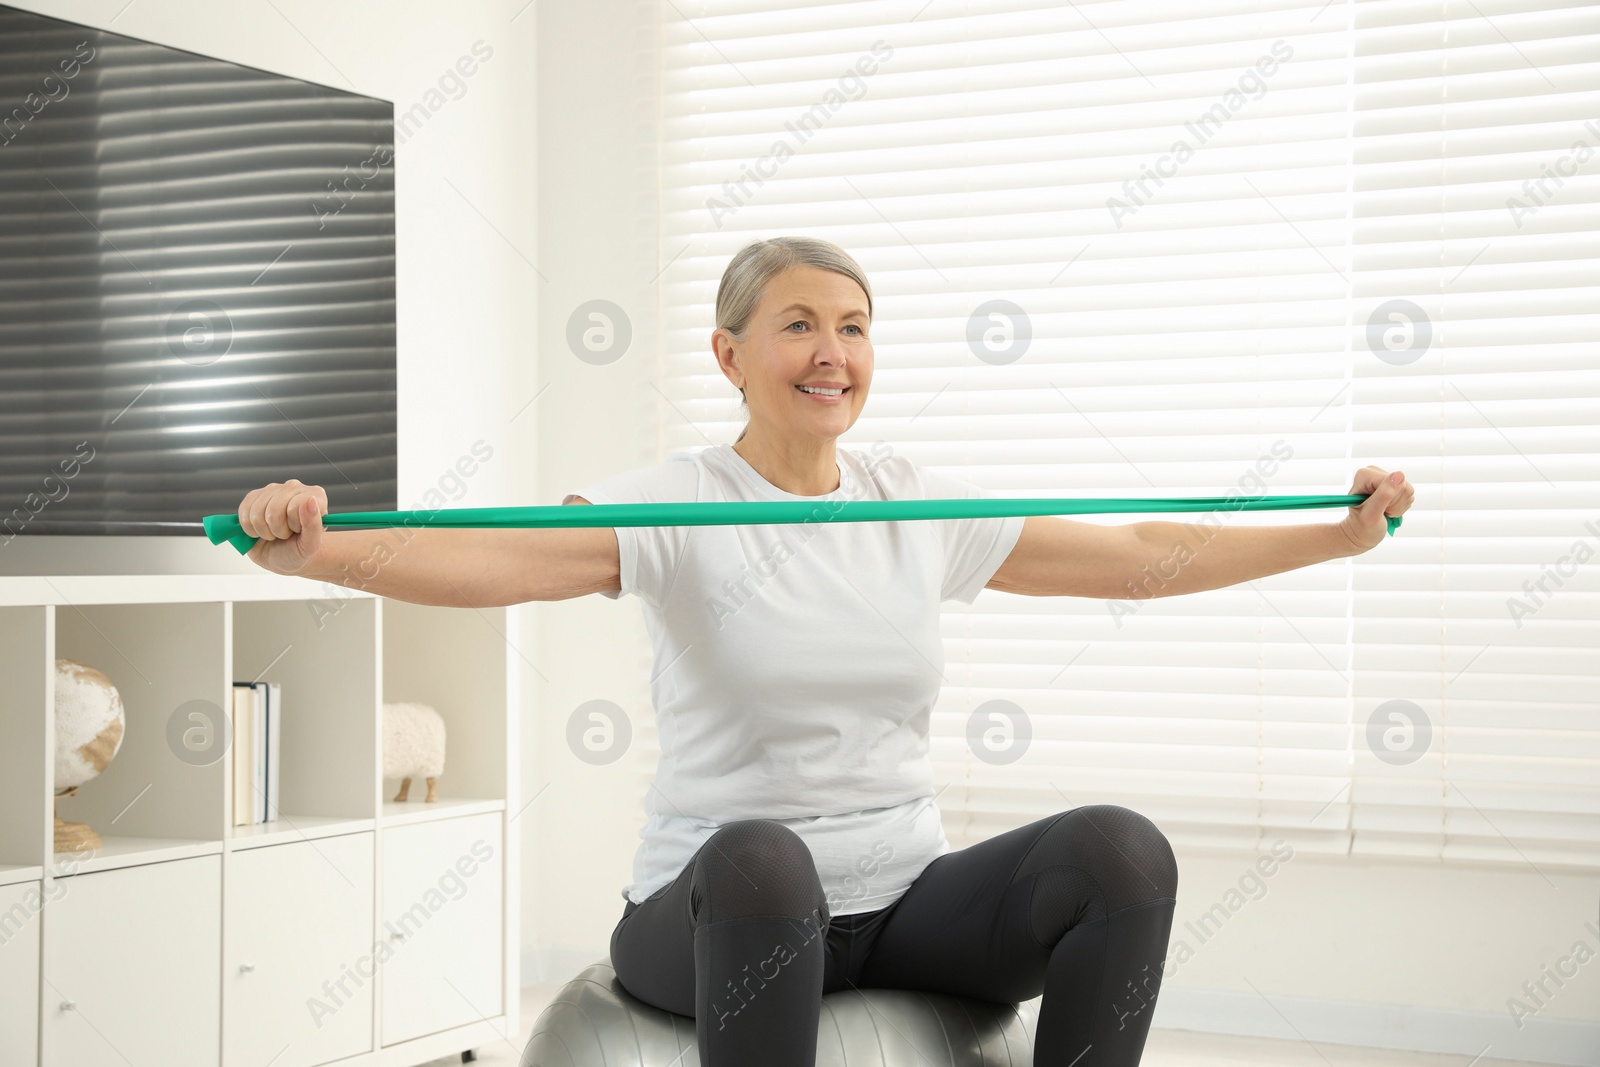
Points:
x=1476 y=200
x=1131 y=249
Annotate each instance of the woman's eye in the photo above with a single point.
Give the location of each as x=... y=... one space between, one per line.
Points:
x=802 y=322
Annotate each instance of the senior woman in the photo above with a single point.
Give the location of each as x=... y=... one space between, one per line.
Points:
x=793 y=846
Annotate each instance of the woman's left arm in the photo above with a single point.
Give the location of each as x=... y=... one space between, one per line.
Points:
x=1055 y=556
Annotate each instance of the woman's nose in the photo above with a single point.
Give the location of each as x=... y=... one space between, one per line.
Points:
x=830 y=350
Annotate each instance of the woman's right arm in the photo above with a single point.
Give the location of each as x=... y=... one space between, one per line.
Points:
x=453 y=567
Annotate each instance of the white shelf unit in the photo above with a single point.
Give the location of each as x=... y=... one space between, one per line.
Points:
x=352 y=929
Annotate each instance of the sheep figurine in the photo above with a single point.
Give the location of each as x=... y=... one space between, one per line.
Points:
x=413 y=747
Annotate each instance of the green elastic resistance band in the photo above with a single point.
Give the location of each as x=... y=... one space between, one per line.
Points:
x=220 y=528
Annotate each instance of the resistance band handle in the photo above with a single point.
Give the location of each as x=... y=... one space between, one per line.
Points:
x=220 y=528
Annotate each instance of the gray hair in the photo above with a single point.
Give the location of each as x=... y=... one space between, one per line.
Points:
x=757 y=263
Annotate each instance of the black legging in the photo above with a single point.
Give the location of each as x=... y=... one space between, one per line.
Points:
x=1077 y=906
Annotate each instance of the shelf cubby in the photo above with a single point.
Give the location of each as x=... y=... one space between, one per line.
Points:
x=324 y=655
x=457 y=662
x=160 y=657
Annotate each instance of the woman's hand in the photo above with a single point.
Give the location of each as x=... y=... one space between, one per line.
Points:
x=1366 y=525
x=287 y=517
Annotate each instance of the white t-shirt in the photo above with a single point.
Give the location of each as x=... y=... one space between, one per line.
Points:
x=797 y=665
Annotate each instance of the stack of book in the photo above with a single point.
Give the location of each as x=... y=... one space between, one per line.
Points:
x=255 y=751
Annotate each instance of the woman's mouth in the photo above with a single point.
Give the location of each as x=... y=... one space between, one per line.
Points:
x=823 y=395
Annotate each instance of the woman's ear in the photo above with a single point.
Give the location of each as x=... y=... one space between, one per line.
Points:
x=727 y=354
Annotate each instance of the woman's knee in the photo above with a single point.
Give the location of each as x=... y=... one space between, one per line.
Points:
x=1145 y=849
x=755 y=867
x=1127 y=855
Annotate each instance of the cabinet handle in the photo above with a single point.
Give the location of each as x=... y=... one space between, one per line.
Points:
x=395 y=935
x=69 y=1005
x=246 y=968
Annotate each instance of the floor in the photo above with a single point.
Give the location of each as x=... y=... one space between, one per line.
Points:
x=1166 y=1048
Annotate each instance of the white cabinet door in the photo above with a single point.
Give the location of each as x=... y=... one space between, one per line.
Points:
x=298 y=964
x=19 y=972
x=131 y=961
x=442 y=923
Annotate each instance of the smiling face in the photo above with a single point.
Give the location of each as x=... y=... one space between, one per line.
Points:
x=810 y=329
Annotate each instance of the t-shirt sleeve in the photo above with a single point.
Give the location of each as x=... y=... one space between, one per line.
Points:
x=973 y=548
x=647 y=556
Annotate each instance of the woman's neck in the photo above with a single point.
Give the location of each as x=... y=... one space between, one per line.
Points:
x=801 y=468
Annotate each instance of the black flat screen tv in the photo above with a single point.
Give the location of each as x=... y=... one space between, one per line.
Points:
x=197 y=285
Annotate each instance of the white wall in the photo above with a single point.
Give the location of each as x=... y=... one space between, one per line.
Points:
x=1329 y=943
x=598 y=226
